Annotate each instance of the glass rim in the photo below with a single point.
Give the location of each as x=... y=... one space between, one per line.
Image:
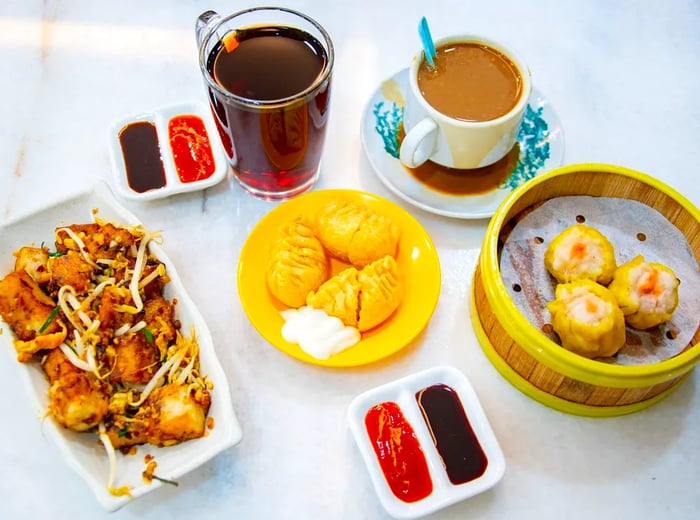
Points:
x=267 y=103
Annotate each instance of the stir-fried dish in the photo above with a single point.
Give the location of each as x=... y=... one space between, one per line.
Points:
x=92 y=312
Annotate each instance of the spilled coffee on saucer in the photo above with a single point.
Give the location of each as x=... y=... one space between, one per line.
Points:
x=471 y=82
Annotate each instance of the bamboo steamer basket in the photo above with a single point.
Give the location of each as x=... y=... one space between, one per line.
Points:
x=532 y=362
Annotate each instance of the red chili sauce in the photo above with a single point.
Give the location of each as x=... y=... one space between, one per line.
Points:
x=192 y=151
x=398 y=451
x=142 y=160
x=454 y=438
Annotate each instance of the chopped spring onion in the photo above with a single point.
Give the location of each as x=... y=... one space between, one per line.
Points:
x=52 y=316
x=52 y=254
x=164 y=480
x=147 y=333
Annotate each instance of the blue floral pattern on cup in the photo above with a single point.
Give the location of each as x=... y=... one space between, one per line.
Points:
x=532 y=138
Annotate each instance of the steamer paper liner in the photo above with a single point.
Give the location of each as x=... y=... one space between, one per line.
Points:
x=622 y=221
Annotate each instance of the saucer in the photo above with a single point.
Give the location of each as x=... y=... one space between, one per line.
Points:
x=541 y=142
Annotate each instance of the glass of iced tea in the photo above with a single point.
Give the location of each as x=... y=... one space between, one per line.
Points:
x=267 y=71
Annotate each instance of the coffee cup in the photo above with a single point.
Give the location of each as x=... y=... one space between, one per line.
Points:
x=267 y=71
x=465 y=112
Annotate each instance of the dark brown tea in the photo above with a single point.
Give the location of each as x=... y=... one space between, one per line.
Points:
x=274 y=147
x=268 y=63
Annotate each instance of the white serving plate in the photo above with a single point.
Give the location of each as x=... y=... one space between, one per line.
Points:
x=402 y=391
x=173 y=185
x=83 y=452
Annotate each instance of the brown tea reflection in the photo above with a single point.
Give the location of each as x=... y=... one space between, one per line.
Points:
x=454 y=181
x=284 y=135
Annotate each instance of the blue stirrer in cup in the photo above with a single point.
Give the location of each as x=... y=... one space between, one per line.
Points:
x=427 y=39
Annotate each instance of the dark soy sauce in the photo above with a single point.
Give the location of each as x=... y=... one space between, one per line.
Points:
x=454 y=438
x=141 y=151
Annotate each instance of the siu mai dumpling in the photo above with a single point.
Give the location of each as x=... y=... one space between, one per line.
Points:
x=355 y=233
x=297 y=264
x=361 y=299
x=587 y=319
x=647 y=292
x=580 y=252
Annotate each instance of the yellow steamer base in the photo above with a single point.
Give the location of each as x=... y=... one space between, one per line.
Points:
x=533 y=363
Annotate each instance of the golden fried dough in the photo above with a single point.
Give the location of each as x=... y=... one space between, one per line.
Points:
x=297 y=264
x=361 y=299
x=380 y=292
x=339 y=296
x=355 y=233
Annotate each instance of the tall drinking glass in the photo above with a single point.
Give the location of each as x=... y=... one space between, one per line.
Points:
x=267 y=71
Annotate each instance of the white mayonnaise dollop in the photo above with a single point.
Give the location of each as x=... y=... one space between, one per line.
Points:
x=317 y=333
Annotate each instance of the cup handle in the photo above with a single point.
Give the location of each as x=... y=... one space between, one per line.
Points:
x=419 y=143
x=203 y=25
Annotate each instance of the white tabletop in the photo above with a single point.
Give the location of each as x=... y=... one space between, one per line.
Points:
x=623 y=78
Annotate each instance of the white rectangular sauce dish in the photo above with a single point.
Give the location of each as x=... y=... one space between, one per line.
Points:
x=404 y=393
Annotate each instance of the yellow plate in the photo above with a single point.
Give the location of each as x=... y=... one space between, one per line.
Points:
x=417 y=260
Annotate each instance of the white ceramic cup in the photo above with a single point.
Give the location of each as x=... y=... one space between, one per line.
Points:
x=452 y=142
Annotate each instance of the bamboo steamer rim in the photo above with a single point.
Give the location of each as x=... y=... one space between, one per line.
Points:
x=554 y=402
x=536 y=344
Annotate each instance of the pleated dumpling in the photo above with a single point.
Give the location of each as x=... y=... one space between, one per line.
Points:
x=363 y=298
x=338 y=296
x=587 y=319
x=380 y=292
x=580 y=252
x=297 y=265
x=355 y=233
x=647 y=292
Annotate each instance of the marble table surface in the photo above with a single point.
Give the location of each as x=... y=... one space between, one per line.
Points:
x=623 y=79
